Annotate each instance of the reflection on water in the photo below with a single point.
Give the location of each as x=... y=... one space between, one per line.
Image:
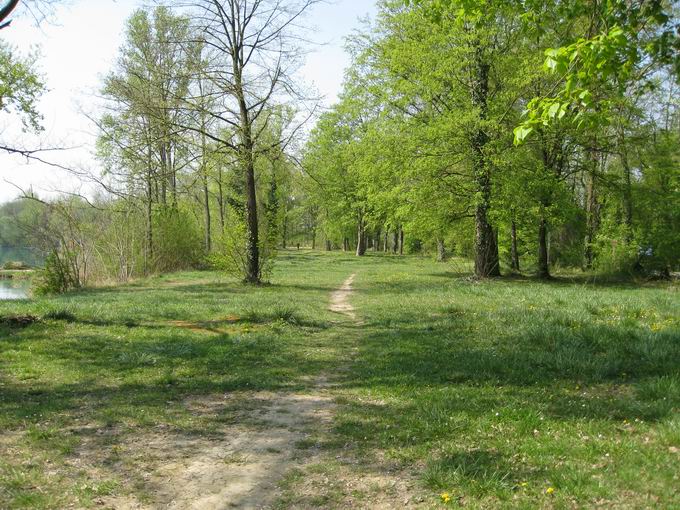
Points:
x=12 y=289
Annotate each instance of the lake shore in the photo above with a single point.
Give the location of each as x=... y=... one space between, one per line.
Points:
x=16 y=274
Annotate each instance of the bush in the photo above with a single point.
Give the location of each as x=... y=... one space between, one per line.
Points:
x=231 y=256
x=177 y=243
x=615 y=256
x=56 y=278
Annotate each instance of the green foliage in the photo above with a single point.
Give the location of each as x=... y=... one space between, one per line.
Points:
x=231 y=256
x=57 y=277
x=177 y=244
x=20 y=87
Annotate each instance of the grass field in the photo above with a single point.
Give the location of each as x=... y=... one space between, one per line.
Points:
x=448 y=392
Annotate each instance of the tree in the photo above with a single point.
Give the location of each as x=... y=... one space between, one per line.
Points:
x=140 y=143
x=453 y=81
x=251 y=54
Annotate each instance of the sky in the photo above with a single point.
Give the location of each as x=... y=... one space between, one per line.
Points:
x=79 y=45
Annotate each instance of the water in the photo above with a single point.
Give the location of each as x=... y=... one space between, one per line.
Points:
x=13 y=289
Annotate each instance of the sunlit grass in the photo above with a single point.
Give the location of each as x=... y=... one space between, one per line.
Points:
x=506 y=393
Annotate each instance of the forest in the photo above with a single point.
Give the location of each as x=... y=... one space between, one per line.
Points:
x=456 y=286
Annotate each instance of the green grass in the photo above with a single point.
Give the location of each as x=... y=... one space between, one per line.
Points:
x=492 y=392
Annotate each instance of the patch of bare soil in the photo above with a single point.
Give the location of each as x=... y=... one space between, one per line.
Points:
x=238 y=466
x=340 y=299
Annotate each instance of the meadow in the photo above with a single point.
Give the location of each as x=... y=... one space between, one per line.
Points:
x=446 y=391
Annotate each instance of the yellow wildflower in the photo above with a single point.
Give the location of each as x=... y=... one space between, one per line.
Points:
x=550 y=490
x=446 y=497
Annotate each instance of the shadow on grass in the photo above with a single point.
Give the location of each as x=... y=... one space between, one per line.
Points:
x=443 y=379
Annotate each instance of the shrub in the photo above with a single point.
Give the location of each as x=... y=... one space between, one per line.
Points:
x=56 y=278
x=177 y=243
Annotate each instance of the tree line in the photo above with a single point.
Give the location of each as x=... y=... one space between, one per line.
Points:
x=516 y=133
x=524 y=135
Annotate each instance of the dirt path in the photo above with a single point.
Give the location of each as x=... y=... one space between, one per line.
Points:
x=340 y=299
x=241 y=465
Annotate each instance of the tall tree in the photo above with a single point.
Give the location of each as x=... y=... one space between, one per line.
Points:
x=251 y=54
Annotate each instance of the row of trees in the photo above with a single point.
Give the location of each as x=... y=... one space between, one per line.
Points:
x=530 y=133
x=544 y=131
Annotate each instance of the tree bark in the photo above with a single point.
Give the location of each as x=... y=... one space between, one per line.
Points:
x=149 y=223
x=220 y=200
x=252 y=236
x=361 y=238
x=486 y=246
x=441 y=250
x=208 y=219
x=543 y=254
x=592 y=212
x=345 y=244
x=252 y=269
x=514 y=252
x=627 y=194
x=401 y=241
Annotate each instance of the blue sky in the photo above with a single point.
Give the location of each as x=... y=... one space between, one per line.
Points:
x=79 y=46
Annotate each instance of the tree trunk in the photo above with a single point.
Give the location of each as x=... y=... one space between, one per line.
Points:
x=592 y=213
x=543 y=255
x=486 y=246
x=149 y=224
x=252 y=268
x=627 y=195
x=204 y=175
x=385 y=243
x=361 y=238
x=376 y=240
x=345 y=244
x=206 y=200
x=401 y=241
x=164 y=176
x=329 y=245
x=252 y=236
x=220 y=201
x=441 y=250
x=514 y=253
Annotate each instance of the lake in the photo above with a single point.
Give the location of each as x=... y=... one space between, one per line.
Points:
x=13 y=289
